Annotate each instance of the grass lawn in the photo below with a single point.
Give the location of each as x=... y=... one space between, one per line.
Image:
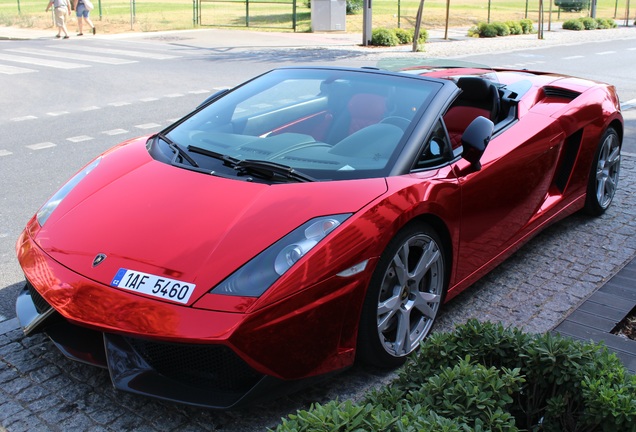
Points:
x=113 y=16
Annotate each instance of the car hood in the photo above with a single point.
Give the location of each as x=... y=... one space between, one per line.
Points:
x=151 y=217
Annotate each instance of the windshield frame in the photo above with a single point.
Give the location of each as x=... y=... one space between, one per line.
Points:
x=223 y=107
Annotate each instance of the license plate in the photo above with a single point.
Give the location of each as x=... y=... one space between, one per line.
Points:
x=156 y=286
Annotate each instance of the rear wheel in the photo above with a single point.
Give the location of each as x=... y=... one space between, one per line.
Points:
x=404 y=297
x=604 y=174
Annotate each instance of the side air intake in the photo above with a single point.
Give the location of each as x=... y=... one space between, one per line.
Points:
x=560 y=93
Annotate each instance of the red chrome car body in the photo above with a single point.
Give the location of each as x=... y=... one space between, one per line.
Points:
x=142 y=213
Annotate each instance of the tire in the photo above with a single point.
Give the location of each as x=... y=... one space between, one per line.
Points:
x=404 y=297
x=604 y=172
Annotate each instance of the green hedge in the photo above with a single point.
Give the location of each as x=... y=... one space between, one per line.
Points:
x=588 y=23
x=494 y=29
x=484 y=377
x=397 y=36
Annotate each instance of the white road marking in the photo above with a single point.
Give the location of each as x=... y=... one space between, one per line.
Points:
x=148 y=126
x=83 y=138
x=72 y=56
x=128 y=53
x=42 y=62
x=79 y=138
x=573 y=57
x=14 y=70
x=19 y=119
x=630 y=104
x=115 y=132
x=606 y=52
x=40 y=146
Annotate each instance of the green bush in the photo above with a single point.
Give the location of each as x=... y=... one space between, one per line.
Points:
x=354 y=6
x=502 y=28
x=527 y=26
x=604 y=23
x=398 y=36
x=421 y=39
x=589 y=23
x=573 y=24
x=515 y=27
x=404 y=36
x=488 y=30
x=473 y=31
x=423 y=36
x=484 y=377
x=384 y=37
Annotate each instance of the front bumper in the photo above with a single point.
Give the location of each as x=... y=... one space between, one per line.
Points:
x=187 y=354
x=210 y=375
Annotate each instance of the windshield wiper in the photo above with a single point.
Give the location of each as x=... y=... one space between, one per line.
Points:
x=227 y=160
x=179 y=151
x=259 y=168
x=270 y=170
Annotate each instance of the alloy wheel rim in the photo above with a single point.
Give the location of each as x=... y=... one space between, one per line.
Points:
x=410 y=295
x=607 y=171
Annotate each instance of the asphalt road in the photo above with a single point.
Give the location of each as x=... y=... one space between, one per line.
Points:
x=71 y=114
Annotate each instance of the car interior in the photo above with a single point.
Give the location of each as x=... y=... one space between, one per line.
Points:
x=479 y=97
x=340 y=125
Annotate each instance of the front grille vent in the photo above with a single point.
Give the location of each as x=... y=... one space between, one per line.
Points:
x=41 y=306
x=208 y=367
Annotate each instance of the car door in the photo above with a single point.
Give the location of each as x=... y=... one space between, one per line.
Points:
x=501 y=201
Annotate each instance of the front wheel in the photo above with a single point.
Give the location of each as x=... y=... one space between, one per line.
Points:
x=403 y=298
x=604 y=174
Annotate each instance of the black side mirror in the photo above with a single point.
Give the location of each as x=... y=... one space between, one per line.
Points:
x=475 y=139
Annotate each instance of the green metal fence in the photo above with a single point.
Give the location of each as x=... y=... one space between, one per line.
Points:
x=280 y=14
x=295 y=15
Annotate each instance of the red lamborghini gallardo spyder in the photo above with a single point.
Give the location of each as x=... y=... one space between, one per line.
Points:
x=307 y=218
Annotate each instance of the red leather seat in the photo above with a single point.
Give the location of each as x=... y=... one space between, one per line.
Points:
x=362 y=110
x=479 y=97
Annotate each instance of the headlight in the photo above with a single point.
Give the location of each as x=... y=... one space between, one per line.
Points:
x=262 y=271
x=46 y=210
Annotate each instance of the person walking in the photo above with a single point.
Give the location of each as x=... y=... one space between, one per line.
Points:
x=82 y=13
x=61 y=9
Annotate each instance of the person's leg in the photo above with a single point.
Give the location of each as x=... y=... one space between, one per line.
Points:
x=64 y=25
x=90 y=23
x=58 y=21
x=79 y=12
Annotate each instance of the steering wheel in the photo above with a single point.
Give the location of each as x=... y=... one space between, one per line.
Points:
x=400 y=122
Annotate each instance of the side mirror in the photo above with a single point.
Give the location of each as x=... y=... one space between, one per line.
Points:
x=475 y=139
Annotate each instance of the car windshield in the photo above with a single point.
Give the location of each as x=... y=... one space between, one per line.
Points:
x=320 y=123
